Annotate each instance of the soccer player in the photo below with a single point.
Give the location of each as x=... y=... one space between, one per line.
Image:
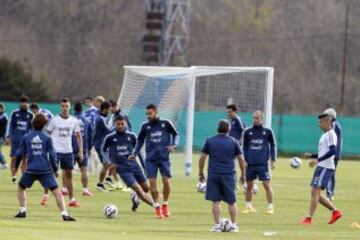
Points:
x=103 y=128
x=87 y=139
x=37 y=148
x=35 y=109
x=118 y=146
x=92 y=112
x=237 y=124
x=20 y=124
x=3 y=129
x=325 y=169
x=61 y=129
x=330 y=188
x=259 y=147
x=221 y=180
x=161 y=139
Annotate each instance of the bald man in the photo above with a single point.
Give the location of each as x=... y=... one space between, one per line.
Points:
x=260 y=154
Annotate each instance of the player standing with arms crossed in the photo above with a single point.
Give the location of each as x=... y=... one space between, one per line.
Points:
x=237 y=124
x=221 y=181
x=61 y=129
x=325 y=170
x=161 y=139
x=259 y=148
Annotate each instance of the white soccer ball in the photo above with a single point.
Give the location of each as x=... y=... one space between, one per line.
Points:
x=201 y=187
x=225 y=224
x=295 y=162
x=110 y=211
x=255 y=188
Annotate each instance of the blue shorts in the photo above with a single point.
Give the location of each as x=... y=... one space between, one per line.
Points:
x=152 y=168
x=221 y=187
x=66 y=160
x=260 y=172
x=14 y=147
x=101 y=157
x=84 y=162
x=321 y=177
x=47 y=180
x=131 y=176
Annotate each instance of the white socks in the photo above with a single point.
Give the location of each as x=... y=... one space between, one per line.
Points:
x=166 y=203
x=249 y=205
x=156 y=205
x=271 y=205
x=22 y=209
x=72 y=199
x=64 y=213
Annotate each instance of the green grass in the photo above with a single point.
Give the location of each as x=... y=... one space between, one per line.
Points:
x=191 y=215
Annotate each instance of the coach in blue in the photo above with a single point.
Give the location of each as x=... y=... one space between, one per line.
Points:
x=221 y=181
x=118 y=146
x=237 y=124
x=3 y=129
x=87 y=137
x=161 y=139
x=38 y=150
x=20 y=124
x=259 y=147
x=330 y=188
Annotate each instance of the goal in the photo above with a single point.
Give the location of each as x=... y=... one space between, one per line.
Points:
x=195 y=98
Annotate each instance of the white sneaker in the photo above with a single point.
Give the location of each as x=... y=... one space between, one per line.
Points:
x=216 y=228
x=233 y=228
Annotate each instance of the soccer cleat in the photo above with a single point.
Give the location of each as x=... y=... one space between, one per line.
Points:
x=111 y=186
x=87 y=193
x=165 y=210
x=126 y=189
x=74 y=204
x=306 y=221
x=21 y=215
x=100 y=187
x=135 y=201
x=216 y=228
x=249 y=210
x=336 y=215
x=13 y=180
x=68 y=218
x=233 y=228
x=44 y=201
x=64 y=192
x=158 y=213
x=270 y=211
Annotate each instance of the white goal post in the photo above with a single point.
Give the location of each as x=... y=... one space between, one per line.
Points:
x=195 y=98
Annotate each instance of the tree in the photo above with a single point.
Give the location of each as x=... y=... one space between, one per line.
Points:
x=16 y=81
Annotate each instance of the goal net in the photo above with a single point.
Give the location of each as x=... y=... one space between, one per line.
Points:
x=195 y=98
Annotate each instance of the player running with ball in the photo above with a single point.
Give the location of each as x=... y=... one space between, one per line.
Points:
x=161 y=139
x=325 y=170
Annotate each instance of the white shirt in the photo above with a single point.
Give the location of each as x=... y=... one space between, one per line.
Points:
x=61 y=131
x=327 y=139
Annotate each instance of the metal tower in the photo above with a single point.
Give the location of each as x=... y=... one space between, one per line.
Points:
x=166 y=35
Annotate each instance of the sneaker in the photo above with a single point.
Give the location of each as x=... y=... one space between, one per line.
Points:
x=21 y=215
x=233 y=228
x=111 y=186
x=68 y=218
x=64 y=192
x=306 y=221
x=165 y=210
x=216 y=228
x=109 y=180
x=336 y=215
x=13 y=180
x=87 y=193
x=135 y=201
x=126 y=189
x=100 y=187
x=74 y=204
x=118 y=186
x=270 y=211
x=158 y=212
x=249 y=210
x=44 y=201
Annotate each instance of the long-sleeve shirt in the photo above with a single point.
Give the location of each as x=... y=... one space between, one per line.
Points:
x=158 y=134
x=117 y=147
x=38 y=149
x=102 y=128
x=20 y=124
x=91 y=114
x=237 y=127
x=259 y=145
x=47 y=113
x=3 y=125
x=86 y=133
x=338 y=131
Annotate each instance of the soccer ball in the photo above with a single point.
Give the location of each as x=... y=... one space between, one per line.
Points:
x=295 y=162
x=201 y=187
x=110 y=211
x=225 y=224
x=255 y=188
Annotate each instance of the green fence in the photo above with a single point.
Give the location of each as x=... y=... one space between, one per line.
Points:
x=294 y=133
